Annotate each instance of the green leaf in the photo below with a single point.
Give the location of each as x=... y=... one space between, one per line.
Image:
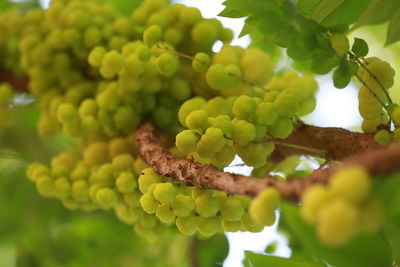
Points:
x=212 y=251
x=125 y=6
x=259 y=260
x=342 y=75
x=347 y=13
x=386 y=8
x=360 y=47
x=233 y=13
x=318 y=10
x=393 y=32
x=363 y=250
x=4 y=5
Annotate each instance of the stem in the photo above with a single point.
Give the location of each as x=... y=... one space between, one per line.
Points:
x=313 y=150
x=193 y=252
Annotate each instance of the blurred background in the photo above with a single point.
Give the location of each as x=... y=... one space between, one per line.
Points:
x=40 y=232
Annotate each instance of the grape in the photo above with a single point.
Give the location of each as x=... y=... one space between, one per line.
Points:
x=200 y=62
x=62 y=188
x=187 y=225
x=183 y=205
x=126 y=182
x=189 y=15
x=197 y=119
x=204 y=33
x=151 y=35
x=165 y=214
x=211 y=141
x=67 y=112
x=207 y=205
x=266 y=113
x=312 y=202
x=224 y=123
x=337 y=222
x=352 y=182
x=207 y=226
x=80 y=172
x=143 y=53
x=281 y=128
x=91 y=37
x=167 y=64
x=44 y=185
x=243 y=132
x=186 y=141
x=262 y=207
x=231 y=226
x=234 y=77
x=165 y=193
x=243 y=107
x=224 y=157
x=382 y=137
x=286 y=104
x=217 y=76
x=125 y=214
x=255 y=154
x=106 y=197
x=189 y=106
x=180 y=89
x=123 y=162
x=147 y=178
x=80 y=191
x=232 y=210
x=217 y=106
x=132 y=199
x=148 y=203
x=111 y=64
x=256 y=66
x=339 y=43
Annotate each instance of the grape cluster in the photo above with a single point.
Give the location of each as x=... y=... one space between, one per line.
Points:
x=343 y=208
x=379 y=77
x=219 y=128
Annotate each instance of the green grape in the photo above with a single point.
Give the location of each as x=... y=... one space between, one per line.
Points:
x=217 y=76
x=89 y=124
x=6 y=93
x=147 y=178
x=223 y=122
x=91 y=37
x=217 y=106
x=111 y=64
x=207 y=205
x=352 y=182
x=197 y=119
x=80 y=191
x=189 y=106
x=370 y=126
x=165 y=193
x=186 y=141
x=313 y=201
x=187 y=225
x=307 y=107
x=152 y=35
x=106 y=197
x=189 y=15
x=66 y=112
x=180 y=89
x=132 y=199
x=337 y=222
x=382 y=71
x=148 y=203
x=382 y=137
x=123 y=162
x=165 y=214
x=143 y=53
x=255 y=154
x=262 y=207
x=224 y=157
x=208 y=226
x=281 y=128
x=200 y=62
x=126 y=182
x=45 y=186
x=211 y=141
x=231 y=226
x=173 y=36
x=204 y=33
x=232 y=210
x=80 y=172
x=62 y=188
x=256 y=66
x=125 y=214
x=234 y=77
x=167 y=64
x=266 y=113
x=243 y=107
x=183 y=205
x=243 y=132
x=340 y=43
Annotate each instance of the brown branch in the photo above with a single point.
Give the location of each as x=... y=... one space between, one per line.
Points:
x=193 y=257
x=380 y=160
x=337 y=142
x=18 y=82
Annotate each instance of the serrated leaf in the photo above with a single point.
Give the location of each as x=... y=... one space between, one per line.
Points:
x=386 y=8
x=393 y=32
x=233 y=13
x=362 y=251
x=259 y=260
x=360 y=47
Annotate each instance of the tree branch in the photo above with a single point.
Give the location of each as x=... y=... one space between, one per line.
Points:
x=18 y=82
x=380 y=160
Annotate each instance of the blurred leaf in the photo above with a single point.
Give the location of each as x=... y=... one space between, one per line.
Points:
x=259 y=260
x=212 y=251
x=393 y=32
x=342 y=75
x=363 y=250
x=360 y=47
x=386 y=8
x=318 y=10
x=5 y=4
x=232 y=13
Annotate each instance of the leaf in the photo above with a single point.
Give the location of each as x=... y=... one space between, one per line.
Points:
x=393 y=32
x=4 y=5
x=212 y=251
x=386 y=8
x=347 y=13
x=318 y=10
x=342 y=75
x=233 y=13
x=259 y=260
x=360 y=47
x=363 y=250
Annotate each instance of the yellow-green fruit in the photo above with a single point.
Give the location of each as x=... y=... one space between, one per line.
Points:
x=353 y=183
x=262 y=208
x=312 y=202
x=340 y=43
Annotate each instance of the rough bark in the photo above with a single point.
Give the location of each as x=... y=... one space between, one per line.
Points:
x=376 y=160
x=18 y=82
